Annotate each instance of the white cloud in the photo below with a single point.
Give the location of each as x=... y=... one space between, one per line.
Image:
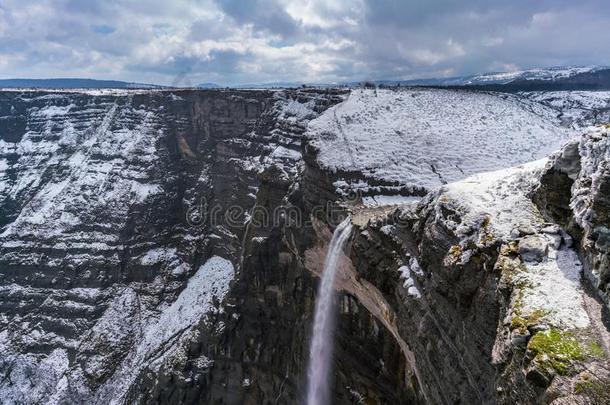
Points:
x=229 y=41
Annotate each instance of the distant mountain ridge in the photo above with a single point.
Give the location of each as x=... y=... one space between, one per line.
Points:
x=553 y=78
x=541 y=79
x=552 y=73
x=592 y=79
x=548 y=74
x=74 y=83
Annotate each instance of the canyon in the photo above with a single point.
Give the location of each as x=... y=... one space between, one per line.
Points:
x=165 y=245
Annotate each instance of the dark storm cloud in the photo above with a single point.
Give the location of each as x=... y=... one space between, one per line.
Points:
x=466 y=37
x=266 y=15
x=232 y=41
x=418 y=13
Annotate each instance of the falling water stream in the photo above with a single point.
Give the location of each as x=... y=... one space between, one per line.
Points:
x=320 y=353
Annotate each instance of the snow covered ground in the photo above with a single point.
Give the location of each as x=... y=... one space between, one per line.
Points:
x=501 y=195
x=427 y=137
x=576 y=108
x=552 y=275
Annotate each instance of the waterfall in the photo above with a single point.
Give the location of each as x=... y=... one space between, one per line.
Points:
x=320 y=353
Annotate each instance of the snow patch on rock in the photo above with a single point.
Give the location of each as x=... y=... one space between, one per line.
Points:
x=387 y=200
x=554 y=287
x=165 y=334
x=32 y=378
x=552 y=275
x=594 y=155
x=500 y=195
x=209 y=282
x=158 y=255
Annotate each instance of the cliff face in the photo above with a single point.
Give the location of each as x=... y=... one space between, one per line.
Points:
x=112 y=205
x=146 y=254
x=165 y=246
x=488 y=286
x=574 y=192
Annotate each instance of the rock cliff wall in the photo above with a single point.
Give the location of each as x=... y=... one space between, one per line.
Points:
x=112 y=205
x=488 y=286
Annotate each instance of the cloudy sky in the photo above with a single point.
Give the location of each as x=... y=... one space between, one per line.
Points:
x=238 y=41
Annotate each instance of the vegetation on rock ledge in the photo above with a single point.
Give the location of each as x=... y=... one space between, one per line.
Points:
x=558 y=350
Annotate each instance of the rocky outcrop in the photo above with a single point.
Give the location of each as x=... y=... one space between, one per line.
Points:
x=489 y=294
x=574 y=192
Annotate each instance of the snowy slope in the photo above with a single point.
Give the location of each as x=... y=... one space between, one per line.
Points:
x=425 y=137
x=499 y=194
x=576 y=108
x=552 y=73
x=554 y=280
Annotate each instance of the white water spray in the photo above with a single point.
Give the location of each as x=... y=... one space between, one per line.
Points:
x=320 y=353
